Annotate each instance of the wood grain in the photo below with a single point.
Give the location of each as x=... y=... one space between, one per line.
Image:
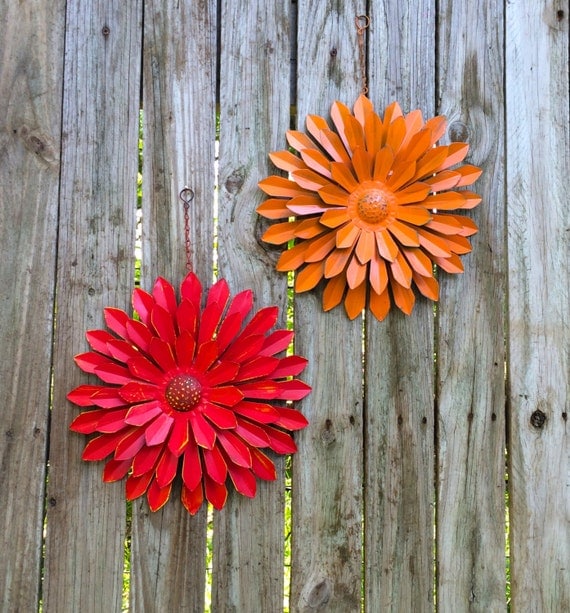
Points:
x=327 y=471
x=254 y=114
x=30 y=99
x=399 y=415
x=538 y=166
x=168 y=555
x=470 y=348
x=86 y=518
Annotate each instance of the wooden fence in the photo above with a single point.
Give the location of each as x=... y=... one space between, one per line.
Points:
x=442 y=484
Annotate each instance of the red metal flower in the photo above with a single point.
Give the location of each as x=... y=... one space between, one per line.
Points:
x=189 y=389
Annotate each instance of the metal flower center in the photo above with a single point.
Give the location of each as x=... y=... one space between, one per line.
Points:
x=371 y=203
x=183 y=393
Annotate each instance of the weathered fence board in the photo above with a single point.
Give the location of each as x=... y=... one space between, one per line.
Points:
x=86 y=518
x=399 y=418
x=168 y=560
x=470 y=348
x=327 y=472
x=254 y=114
x=538 y=166
x=30 y=103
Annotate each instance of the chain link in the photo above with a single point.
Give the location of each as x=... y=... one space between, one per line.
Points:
x=187 y=195
x=362 y=22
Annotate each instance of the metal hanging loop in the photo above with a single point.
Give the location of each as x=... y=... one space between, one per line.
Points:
x=187 y=195
x=362 y=22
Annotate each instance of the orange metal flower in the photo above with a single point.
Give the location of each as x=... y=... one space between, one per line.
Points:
x=190 y=390
x=367 y=206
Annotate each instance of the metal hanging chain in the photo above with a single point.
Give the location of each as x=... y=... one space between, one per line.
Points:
x=362 y=22
x=187 y=195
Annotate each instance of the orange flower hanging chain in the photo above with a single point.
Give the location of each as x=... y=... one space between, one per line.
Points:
x=367 y=203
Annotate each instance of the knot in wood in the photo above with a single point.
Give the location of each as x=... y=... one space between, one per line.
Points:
x=458 y=131
x=234 y=182
x=538 y=419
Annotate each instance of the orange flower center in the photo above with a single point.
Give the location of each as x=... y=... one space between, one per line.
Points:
x=183 y=393
x=371 y=203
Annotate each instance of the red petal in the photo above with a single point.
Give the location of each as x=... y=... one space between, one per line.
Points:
x=241 y=304
x=98 y=340
x=166 y=468
x=216 y=493
x=164 y=295
x=261 y=322
x=145 y=460
x=206 y=355
x=157 y=496
x=237 y=450
x=280 y=442
x=163 y=324
x=144 y=369
x=143 y=304
x=161 y=352
x=86 y=423
x=229 y=329
x=137 y=391
x=140 y=414
x=192 y=499
x=262 y=466
x=113 y=373
x=101 y=446
x=108 y=398
x=289 y=366
x=187 y=318
x=139 y=334
x=114 y=470
x=252 y=434
x=257 y=411
x=220 y=417
x=185 y=348
x=244 y=348
x=130 y=444
x=191 y=467
x=209 y=322
x=227 y=395
x=262 y=366
x=90 y=360
x=191 y=290
x=291 y=419
x=204 y=434
x=243 y=480
x=222 y=372
x=122 y=350
x=277 y=341
x=293 y=389
x=81 y=395
x=215 y=465
x=158 y=430
x=112 y=421
x=179 y=437
x=116 y=320
x=261 y=390
x=137 y=486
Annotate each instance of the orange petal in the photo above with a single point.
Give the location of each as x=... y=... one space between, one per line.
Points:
x=437 y=126
x=445 y=201
x=273 y=208
x=280 y=233
x=403 y=297
x=430 y=162
x=383 y=164
x=379 y=304
x=386 y=245
x=469 y=227
x=392 y=112
x=366 y=246
x=373 y=132
x=348 y=128
x=456 y=153
x=299 y=140
x=342 y=174
x=309 y=276
x=347 y=235
x=319 y=248
x=419 y=143
x=419 y=261
x=309 y=179
x=445 y=224
x=355 y=273
x=355 y=301
x=452 y=264
x=404 y=234
x=428 y=286
x=292 y=258
x=362 y=108
x=396 y=133
x=285 y=160
x=333 y=292
x=331 y=143
x=332 y=194
x=332 y=218
x=362 y=162
x=309 y=228
x=402 y=173
x=306 y=205
x=316 y=160
x=446 y=179
x=336 y=262
x=434 y=244
x=378 y=274
x=401 y=271
x=458 y=244
x=471 y=199
x=469 y=174
x=315 y=125
x=279 y=186
x=416 y=192
x=416 y=215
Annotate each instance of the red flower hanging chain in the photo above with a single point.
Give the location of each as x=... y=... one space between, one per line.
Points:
x=191 y=389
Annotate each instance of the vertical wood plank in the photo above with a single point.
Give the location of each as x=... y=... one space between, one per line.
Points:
x=254 y=114
x=538 y=144
x=399 y=422
x=31 y=50
x=327 y=471
x=470 y=349
x=168 y=561
x=86 y=518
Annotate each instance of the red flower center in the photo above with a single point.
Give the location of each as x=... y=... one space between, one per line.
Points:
x=183 y=393
x=371 y=202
